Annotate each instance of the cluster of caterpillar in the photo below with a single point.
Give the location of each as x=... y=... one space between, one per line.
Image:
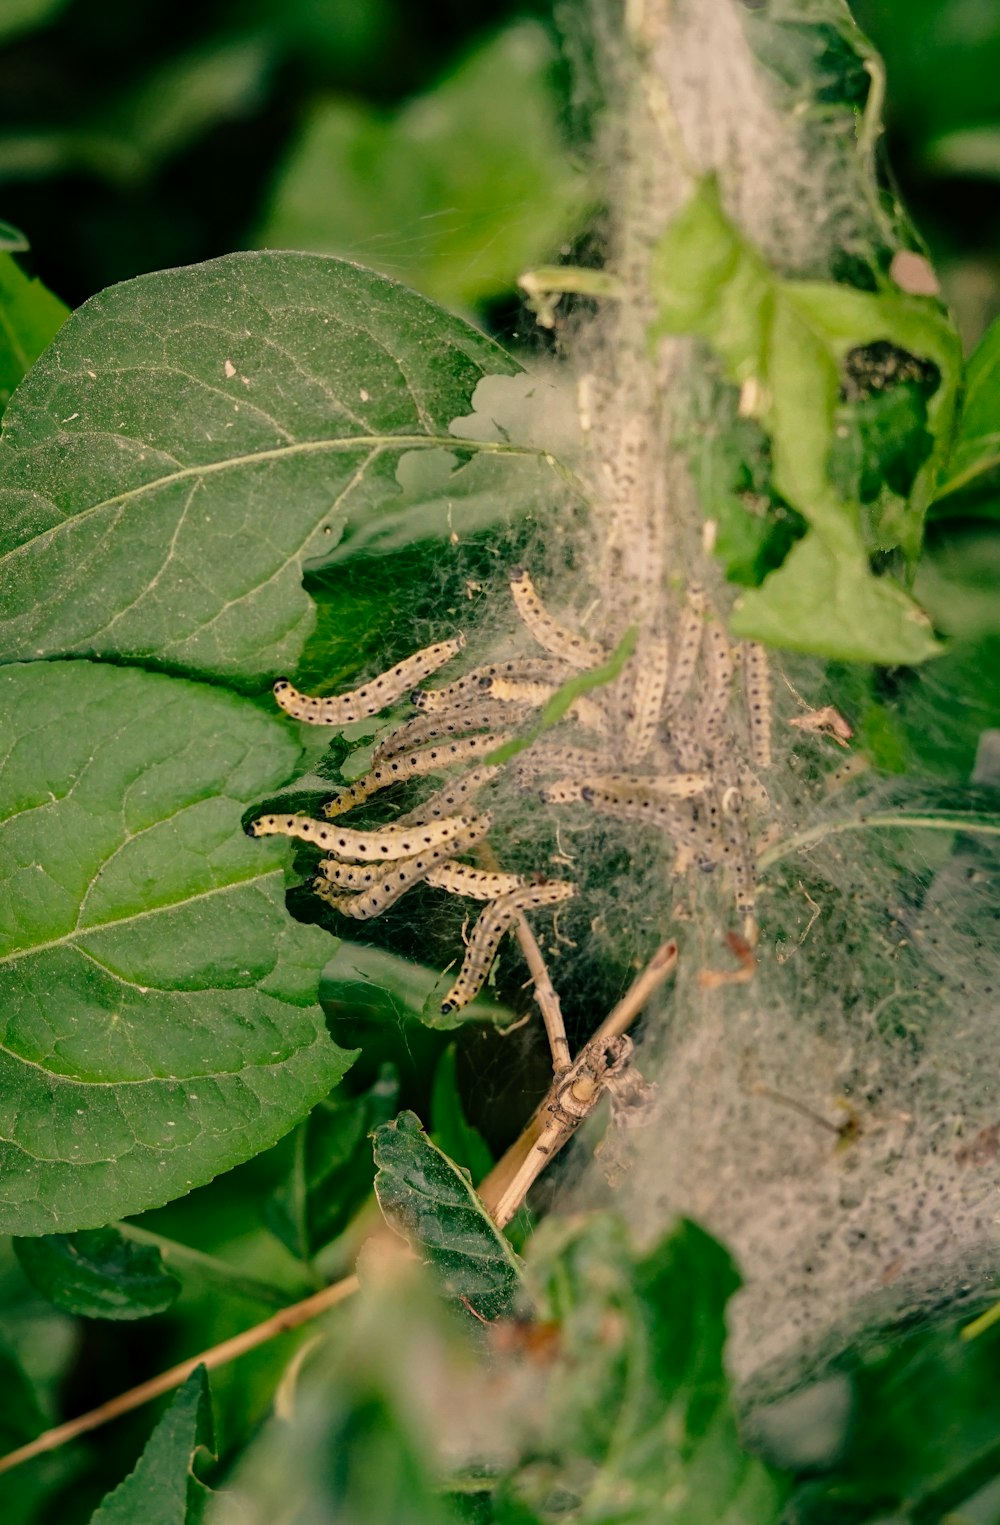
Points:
x=682 y=765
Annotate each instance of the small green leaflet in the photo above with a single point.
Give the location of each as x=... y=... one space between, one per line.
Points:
x=164 y=1488
x=98 y=1273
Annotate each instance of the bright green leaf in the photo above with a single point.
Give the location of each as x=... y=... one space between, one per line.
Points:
x=194 y=436
x=429 y=1200
x=331 y=1175
x=98 y=1273
x=456 y=194
x=159 y=1007
x=30 y=316
x=164 y=1489
x=786 y=341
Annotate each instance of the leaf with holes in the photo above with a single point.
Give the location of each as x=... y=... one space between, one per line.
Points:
x=159 y=1008
x=193 y=437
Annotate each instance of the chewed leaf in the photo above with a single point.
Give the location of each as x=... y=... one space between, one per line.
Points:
x=99 y=1273
x=427 y=1198
x=192 y=437
x=159 y=1007
x=786 y=344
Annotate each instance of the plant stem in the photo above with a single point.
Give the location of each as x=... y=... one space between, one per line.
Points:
x=217 y=1355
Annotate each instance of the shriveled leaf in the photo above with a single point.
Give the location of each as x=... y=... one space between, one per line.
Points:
x=791 y=344
x=98 y=1273
x=428 y=1199
x=163 y=1489
x=639 y=1422
x=30 y=316
x=456 y=194
x=159 y=1007
x=332 y=1171
x=194 y=436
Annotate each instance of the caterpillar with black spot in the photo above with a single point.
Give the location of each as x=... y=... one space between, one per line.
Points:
x=372 y=697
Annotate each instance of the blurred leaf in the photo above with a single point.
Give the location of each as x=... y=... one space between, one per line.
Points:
x=160 y=1017
x=880 y=443
x=332 y=1169
x=638 y=1410
x=30 y=316
x=789 y=340
x=362 y=980
x=977 y=441
x=924 y=1436
x=21 y=1417
x=99 y=1273
x=429 y=1200
x=451 y=1131
x=958 y=580
x=370 y=1414
x=221 y=81
x=18 y=16
x=456 y=194
x=183 y=446
x=163 y=1489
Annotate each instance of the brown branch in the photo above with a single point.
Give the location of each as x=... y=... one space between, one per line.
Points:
x=217 y=1355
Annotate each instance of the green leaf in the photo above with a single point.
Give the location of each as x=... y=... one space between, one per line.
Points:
x=977 y=441
x=18 y=16
x=21 y=1417
x=193 y=437
x=459 y=1140
x=98 y=1273
x=30 y=316
x=429 y=1200
x=456 y=194
x=638 y=1411
x=159 y=1007
x=364 y=981
x=332 y=1171
x=788 y=341
x=163 y=1489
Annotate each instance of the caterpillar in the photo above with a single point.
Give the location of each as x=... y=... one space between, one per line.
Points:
x=340 y=841
x=444 y=801
x=488 y=933
x=412 y=765
x=476 y=883
x=757 y=698
x=371 y=697
x=690 y=626
x=401 y=875
x=719 y=668
x=550 y=635
x=424 y=728
x=471 y=685
x=646 y=706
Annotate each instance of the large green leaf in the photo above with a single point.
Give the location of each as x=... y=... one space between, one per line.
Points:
x=159 y=1019
x=786 y=342
x=456 y=194
x=98 y=1273
x=164 y=1489
x=193 y=436
x=425 y=1196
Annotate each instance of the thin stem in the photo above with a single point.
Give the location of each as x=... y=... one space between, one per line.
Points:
x=545 y=995
x=217 y=1355
x=902 y=820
